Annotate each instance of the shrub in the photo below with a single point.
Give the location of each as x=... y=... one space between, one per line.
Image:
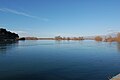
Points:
x=98 y=38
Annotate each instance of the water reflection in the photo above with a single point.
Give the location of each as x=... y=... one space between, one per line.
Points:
x=118 y=46
x=67 y=60
x=5 y=46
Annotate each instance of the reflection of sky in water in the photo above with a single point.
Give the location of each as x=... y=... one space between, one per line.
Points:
x=93 y=45
x=59 y=60
x=7 y=46
x=118 y=46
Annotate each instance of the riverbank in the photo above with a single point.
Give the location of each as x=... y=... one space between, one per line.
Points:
x=116 y=77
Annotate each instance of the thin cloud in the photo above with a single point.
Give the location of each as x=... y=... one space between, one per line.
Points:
x=21 y=13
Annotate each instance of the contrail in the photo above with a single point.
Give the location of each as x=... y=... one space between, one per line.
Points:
x=21 y=13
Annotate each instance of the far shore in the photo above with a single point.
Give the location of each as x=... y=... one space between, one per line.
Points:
x=7 y=36
x=96 y=38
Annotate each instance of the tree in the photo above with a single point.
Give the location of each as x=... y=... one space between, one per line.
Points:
x=7 y=35
x=58 y=38
x=68 y=38
x=98 y=38
x=118 y=35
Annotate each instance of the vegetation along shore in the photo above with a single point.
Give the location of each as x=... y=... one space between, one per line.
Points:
x=6 y=36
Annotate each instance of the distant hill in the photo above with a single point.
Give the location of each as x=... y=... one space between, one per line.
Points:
x=31 y=38
x=35 y=38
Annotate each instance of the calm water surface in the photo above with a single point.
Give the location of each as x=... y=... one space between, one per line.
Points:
x=59 y=60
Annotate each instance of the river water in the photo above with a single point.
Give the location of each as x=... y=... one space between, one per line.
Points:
x=59 y=60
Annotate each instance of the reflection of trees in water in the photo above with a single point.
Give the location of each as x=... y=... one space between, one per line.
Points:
x=5 y=46
x=118 y=46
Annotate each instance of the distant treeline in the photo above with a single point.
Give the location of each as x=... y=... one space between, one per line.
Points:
x=68 y=38
x=56 y=38
x=96 y=38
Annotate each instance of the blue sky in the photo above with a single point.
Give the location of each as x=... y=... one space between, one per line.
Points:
x=49 y=18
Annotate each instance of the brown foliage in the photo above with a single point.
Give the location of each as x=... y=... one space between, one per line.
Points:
x=117 y=39
x=98 y=38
